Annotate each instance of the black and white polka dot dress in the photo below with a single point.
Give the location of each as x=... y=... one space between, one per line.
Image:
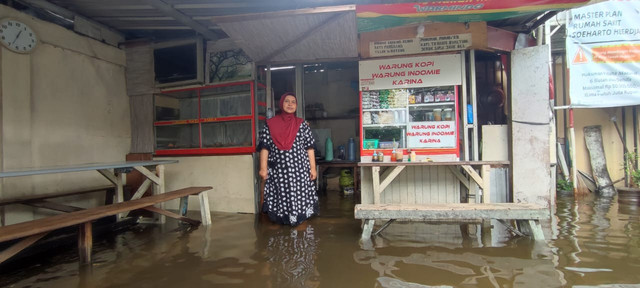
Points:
x=289 y=194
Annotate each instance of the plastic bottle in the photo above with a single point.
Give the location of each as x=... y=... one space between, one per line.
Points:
x=399 y=155
x=413 y=156
x=374 y=158
x=352 y=150
x=328 y=150
x=393 y=155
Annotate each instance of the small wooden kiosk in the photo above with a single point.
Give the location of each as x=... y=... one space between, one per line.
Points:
x=418 y=95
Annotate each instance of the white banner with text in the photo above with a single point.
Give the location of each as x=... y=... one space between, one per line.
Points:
x=603 y=54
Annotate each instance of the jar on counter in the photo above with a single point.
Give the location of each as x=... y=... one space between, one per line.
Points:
x=447 y=114
x=428 y=116
x=437 y=114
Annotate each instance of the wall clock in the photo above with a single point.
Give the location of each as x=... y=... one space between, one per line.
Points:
x=17 y=36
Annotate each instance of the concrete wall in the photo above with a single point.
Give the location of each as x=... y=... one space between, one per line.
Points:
x=583 y=117
x=64 y=103
x=530 y=136
x=232 y=179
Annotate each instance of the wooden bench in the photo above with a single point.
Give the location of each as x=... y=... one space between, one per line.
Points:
x=33 y=230
x=42 y=200
x=527 y=216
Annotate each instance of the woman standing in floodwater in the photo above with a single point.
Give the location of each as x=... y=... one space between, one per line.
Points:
x=287 y=164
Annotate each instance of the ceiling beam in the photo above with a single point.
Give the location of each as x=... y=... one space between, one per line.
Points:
x=283 y=13
x=81 y=24
x=184 y=19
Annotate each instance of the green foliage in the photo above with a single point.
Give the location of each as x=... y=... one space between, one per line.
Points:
x=564 y=185
x=631 y=158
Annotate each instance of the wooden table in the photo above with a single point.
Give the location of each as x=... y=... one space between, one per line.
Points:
x=112 y=171
x=381 y=181
x=527 y=215
x=324 y=165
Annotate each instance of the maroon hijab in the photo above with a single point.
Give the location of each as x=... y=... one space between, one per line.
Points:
x=284 y=126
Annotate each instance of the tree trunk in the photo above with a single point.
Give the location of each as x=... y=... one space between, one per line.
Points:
x=593 y=138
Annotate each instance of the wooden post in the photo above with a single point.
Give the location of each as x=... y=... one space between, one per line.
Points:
x=160 y=189
x=486 y=183
x=375 y=173
x=368 y=228
x=184 y=205
x=204 y=208
x=120 y=193
x=85 y=242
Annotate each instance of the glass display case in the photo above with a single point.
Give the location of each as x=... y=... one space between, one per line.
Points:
x=217 y=119
x=422 y=119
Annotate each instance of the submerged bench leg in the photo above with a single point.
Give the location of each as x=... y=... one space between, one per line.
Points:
x=367 y=228
x=184 y=205
x=85 y=242
x=204 y=208
x=531 y=228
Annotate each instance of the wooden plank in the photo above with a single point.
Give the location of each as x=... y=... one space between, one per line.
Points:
x=460 y=211
x=172 y=215
x=53 y=206
x=150 y=175
x=16 y=248
x=459 y=175
x=474 y=175
x=389 y=175
x=143 y=188
x=47 y=224
x=109 y=175
x=54 y=195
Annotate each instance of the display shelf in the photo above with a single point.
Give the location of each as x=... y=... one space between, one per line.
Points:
x=208 y=120
x=382 y=109
x=433 y=104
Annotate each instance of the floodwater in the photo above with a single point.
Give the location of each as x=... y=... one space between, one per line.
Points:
x=591 y=243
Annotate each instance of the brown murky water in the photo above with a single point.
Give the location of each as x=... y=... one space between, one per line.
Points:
x=592 y=242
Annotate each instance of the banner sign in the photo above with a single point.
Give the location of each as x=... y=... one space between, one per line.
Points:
x=432 y=134
x=420 y=45
x=603 y=54
x=383 y=16
x=413 y=72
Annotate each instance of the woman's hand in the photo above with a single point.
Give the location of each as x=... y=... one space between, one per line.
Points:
x=263 y=174
x=314 y=173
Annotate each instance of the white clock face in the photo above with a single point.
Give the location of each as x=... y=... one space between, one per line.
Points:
x=17 y=36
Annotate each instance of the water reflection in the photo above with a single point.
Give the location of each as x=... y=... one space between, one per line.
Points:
x=596 y=242
x=290 y=255
x=516 y=264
